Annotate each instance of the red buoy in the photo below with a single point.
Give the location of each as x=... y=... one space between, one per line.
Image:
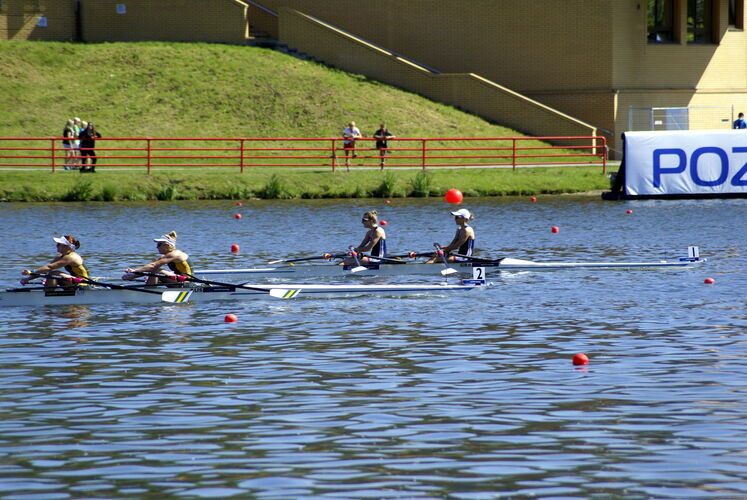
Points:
x=555 y=229
x=709 y=281
x=235 y=248
x=383 y=223
x=629 y=212
x=230 y=318
x=453 y=196
x=237 y=216
x=533 y=199
x=580 y=359
x=388 y=201
x=238 y=203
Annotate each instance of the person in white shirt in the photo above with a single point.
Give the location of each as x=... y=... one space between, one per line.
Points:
x=349 y=135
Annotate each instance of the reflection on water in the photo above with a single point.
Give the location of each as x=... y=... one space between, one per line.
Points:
x=418 y=397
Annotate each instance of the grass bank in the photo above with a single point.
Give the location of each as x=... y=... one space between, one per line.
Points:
x=123 y=186
x=155 y=89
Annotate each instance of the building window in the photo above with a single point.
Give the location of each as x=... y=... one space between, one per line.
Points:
x=736 y=14
x=660 y=21
x=699 y=21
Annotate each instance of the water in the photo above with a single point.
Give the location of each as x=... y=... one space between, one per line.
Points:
x=464 y=397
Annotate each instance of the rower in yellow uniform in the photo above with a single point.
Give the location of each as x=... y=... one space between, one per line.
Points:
x=176 y=261
x=67 y=259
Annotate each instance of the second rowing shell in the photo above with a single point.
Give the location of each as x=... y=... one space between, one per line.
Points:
x=419 y=268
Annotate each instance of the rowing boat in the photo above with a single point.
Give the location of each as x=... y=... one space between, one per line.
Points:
x=421 y=268
x=96 y=295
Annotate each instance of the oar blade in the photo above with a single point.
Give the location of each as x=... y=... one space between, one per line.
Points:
x=284 y=293
x=278 y=261
x=176 y=296
x=358 y=269
x=448 y=271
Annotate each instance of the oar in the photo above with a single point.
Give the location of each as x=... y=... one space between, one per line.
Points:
x=326 y=256
x=478 y=259
x=387 y=259
x=278 y=293
x=448 y=270
x=412 y=255
x=358 y=267
x=173 y=296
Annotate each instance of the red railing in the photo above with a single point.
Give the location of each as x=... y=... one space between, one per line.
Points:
x=172 y=152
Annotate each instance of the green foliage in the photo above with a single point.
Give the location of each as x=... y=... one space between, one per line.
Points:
x=167 y=193
x=274 y=189
x=82 y=190
x=388 y=186
x=108 y=193
x=421 y=184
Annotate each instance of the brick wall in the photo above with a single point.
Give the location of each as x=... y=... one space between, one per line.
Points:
x=37 y=20
x=222 y=21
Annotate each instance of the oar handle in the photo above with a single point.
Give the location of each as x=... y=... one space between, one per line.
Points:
x=476 y=259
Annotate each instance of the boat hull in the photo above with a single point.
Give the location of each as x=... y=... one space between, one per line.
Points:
x=419 y=268
x=37 y=297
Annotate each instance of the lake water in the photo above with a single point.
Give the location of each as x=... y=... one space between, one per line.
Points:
x=463 y=397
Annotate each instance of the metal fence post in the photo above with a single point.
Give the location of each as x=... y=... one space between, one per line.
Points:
x=422 y=154
x=149 y=158
x=53 y=157
x=334 y=155
x=513 y=153
x=242 y=155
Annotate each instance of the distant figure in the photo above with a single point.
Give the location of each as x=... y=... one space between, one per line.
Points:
x=740 y=122
x=87 y=144
x=381 y=137
x=77 y=129
x=350 y=134
x=68 y=137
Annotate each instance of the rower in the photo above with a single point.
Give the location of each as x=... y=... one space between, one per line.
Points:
x=374 y=241
x=464 y=239
x=68 y=259
x=176 y=261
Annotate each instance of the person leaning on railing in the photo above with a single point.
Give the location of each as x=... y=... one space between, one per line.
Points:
x=87 y=144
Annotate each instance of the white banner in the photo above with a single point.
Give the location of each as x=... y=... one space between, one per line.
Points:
x=686 y=162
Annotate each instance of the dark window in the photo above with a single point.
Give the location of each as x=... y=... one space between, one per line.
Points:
x=736 y=14
x=699 y=21
x=660 y=21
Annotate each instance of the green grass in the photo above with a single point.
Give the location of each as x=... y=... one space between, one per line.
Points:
x=210 y=90
x=190 y=185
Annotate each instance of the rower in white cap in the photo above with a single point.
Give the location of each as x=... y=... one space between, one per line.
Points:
x=175 y=260
x=68 y=259
x=464 y=239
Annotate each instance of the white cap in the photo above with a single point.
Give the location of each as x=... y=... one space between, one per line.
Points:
x=64 y=241
x=462 y=212
x=165 y=239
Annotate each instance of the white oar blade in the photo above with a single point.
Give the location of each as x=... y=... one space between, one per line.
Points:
x=358 y=269
x=176 y=296
x=448 y=271
x=275 y=261
x=282 y=293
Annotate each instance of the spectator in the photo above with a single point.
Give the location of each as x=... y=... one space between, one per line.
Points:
x=69 y=135
x=77 y=129
x=740 y=122
x=350 y=134
x=381 y=136
x=87 y=144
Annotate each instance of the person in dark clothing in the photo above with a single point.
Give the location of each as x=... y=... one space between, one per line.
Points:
x=88 y=138
x=381 y=136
